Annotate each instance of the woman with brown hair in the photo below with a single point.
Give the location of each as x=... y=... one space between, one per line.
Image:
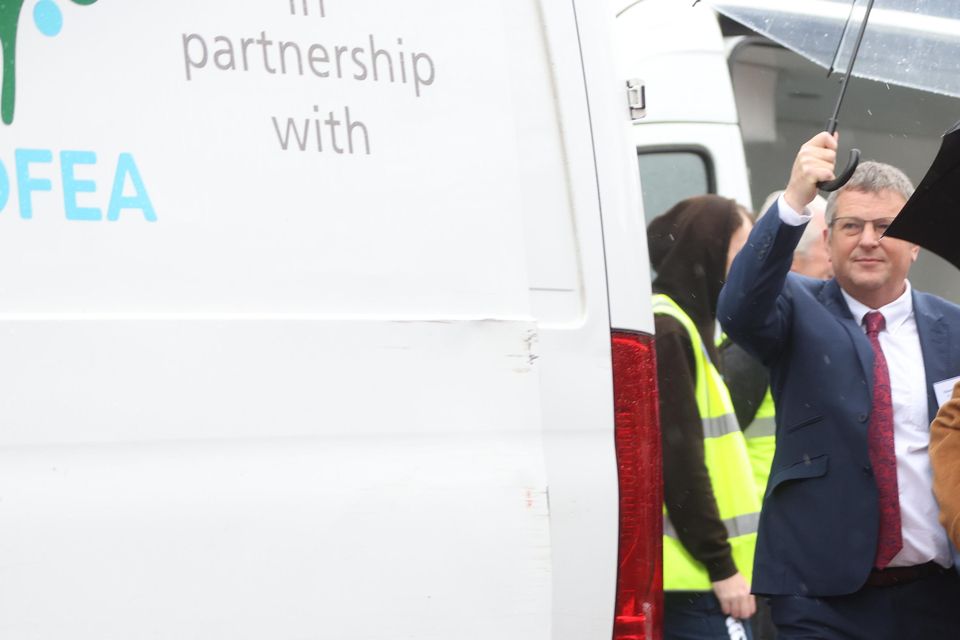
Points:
x=711 y=506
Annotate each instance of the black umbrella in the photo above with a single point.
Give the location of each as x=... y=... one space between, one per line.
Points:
x=931 y=218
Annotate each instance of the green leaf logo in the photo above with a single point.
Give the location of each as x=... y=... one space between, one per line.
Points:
x=48 y=19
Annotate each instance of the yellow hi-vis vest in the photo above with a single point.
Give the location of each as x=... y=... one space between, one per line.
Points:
x=762 y=442
x=728 y=464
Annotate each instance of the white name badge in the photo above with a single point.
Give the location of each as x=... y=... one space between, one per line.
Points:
x=944 y=389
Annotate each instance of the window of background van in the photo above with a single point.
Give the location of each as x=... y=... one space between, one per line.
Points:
x=671 y=174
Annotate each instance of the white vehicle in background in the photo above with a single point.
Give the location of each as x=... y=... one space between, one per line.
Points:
x=313 y=320
x=727 y=109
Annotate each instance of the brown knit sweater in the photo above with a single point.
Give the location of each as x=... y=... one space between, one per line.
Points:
x=945 y=458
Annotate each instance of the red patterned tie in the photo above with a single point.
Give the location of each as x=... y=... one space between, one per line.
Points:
x=880 y=447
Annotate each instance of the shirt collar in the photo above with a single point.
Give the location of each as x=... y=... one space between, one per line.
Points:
x=894 y=313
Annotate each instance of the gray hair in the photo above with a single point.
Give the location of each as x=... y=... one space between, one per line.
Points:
x=872 y=177
x=812 y=233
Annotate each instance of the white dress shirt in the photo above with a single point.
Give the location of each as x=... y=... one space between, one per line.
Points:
x=923 y=537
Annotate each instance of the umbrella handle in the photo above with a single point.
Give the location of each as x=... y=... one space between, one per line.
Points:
x=845 y=175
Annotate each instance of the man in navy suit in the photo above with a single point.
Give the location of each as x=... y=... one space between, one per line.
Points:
x=849 y=543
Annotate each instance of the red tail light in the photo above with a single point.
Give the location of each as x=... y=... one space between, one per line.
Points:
x=639 y=609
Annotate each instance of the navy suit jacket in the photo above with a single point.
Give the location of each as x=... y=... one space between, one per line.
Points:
x=818 y=526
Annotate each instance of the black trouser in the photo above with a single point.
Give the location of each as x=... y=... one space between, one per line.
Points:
x=762 y=623
x=925 y=609
x=696 y=615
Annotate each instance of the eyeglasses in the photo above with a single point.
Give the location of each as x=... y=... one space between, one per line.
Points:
x=852 y=226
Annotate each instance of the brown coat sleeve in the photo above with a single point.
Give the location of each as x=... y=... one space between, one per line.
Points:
x=945 y=459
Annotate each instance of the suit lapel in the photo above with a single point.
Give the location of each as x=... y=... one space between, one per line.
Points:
x=934 y=344
x=832 y=300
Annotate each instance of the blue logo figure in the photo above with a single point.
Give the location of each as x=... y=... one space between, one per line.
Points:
x=48 y=18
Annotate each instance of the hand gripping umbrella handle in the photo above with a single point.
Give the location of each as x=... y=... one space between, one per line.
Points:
x=845 y=175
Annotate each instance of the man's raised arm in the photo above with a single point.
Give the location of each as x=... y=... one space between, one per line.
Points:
x=751 y=309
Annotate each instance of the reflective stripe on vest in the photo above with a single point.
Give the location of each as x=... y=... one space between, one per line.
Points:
x=737 y=526
x=762 y=443
x=725 y=455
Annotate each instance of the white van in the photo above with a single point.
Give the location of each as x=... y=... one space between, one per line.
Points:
x=312 y=319
x=727 y=111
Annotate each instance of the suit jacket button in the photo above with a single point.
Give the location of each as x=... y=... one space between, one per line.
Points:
x=862 y=417
x=867 y=469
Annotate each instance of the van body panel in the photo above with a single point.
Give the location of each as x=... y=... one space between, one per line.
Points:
x=619 y=195
x=277 y=538
x=577 y=408
x=313 y=481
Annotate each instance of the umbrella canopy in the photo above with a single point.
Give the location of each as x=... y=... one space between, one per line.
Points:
x=913 y=43
x=931 y=218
